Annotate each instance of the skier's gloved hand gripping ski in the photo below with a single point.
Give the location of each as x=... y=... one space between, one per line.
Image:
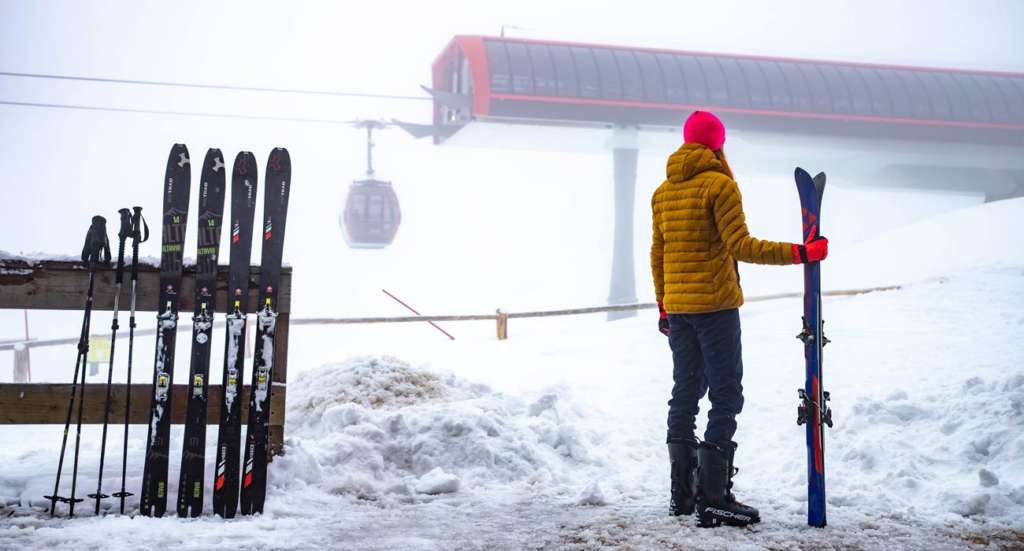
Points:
x=815 y=249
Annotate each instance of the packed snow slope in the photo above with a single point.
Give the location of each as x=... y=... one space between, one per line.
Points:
x=554 y=438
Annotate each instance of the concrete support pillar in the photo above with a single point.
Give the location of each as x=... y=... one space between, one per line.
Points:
x=623 y=284
x=22 y=369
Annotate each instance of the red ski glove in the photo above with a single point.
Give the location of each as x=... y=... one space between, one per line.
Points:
x=662 y=319
x=815 y=250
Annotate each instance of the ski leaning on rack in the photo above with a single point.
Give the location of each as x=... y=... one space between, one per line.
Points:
x=153 y=500
x=193 y=452
x=275 y=208
x=243 y=208
x=813 y=409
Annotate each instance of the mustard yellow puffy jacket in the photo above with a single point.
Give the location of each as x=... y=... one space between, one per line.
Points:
x=699 y=234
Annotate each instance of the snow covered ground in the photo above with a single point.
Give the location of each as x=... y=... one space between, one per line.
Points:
x=554 y=438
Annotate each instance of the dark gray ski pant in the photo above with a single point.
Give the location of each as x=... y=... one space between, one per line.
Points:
x=707 y=359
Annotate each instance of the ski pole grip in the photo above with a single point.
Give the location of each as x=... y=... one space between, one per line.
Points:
x=126 y=224
x=122 y=235
x=96 y=241
x=139 y=234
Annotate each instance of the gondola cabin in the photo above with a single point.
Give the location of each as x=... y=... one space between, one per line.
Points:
x=372 y=214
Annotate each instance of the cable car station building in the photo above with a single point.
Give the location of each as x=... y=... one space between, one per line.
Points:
x=867 y=125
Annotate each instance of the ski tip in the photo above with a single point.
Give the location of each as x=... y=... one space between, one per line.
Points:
x=801 y=173
x=278 y=159
x=819 y=179
x=179 y=157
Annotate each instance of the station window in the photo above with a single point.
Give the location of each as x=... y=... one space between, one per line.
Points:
x=545 y=78
x=757 y=84
x=859 y=95
x=975 y=98
x=901 y=105
x=694 y=79
x=521 y=69
x=497 y=60
x=565 y=71
x=820 y=93
x=841 y=102
x=996 y=101
x=465 y=76
x=586 y=72
x=881 y=105
x=925 y=103
x=783 y=95
x=629 y=72
x=801 y=93
x=611 y=84
x=959 y=108
x=940 y=101
x=718 y=90
x=1014 y=96
x=736 y=85
x=675 y=86
x=650 y=74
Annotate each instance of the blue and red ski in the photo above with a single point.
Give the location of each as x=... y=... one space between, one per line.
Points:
x=813 y=409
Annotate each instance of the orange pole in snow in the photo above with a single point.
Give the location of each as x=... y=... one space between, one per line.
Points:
x=411 y=309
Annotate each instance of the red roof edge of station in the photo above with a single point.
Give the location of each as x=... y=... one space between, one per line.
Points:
x=465 y=39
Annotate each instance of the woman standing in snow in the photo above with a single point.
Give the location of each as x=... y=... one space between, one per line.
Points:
x=700 y=234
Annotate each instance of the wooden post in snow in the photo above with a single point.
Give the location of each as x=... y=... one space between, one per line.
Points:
x=502 y=325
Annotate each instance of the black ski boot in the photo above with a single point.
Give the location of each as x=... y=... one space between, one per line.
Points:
x=682 y=457
x=715 y=503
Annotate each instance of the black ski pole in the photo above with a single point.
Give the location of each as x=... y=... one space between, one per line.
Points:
x=122 y=236
x=99 y=244
x=139 y=234
x=95 y=244
x=71 y=402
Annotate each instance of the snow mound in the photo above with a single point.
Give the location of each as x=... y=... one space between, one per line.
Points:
x=379 y=383
x=960 y=447
x=377 y=428
x=939 y=246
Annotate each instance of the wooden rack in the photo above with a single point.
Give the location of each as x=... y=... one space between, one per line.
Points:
x=62 y=285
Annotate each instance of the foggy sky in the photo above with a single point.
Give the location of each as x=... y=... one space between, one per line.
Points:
x=498 y=220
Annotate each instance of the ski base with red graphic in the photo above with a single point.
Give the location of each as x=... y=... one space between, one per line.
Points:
x=813 y=410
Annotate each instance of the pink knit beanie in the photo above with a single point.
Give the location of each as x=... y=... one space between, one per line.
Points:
x=704 y=128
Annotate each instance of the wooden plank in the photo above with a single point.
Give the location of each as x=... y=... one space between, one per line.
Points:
x=278 y=379
x=280 y=374
x=62 y=285
x=48 y=404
